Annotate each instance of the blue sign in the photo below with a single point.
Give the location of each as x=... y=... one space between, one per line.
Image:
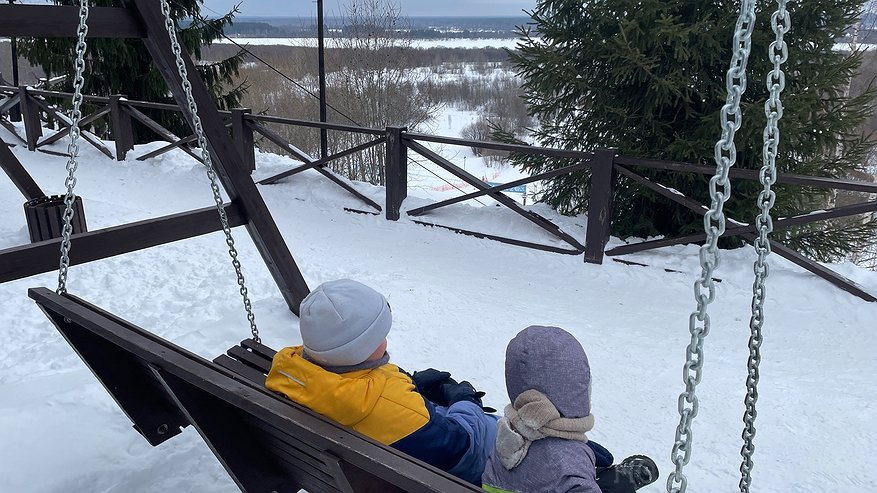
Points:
x=517 y=189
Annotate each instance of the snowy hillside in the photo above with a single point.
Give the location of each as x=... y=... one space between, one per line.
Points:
x=456 y=302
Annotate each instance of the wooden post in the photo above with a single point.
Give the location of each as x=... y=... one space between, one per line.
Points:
x=30 y=113
x=242 y=134
x=600 y=209
x=123 y=132
x=396 y=171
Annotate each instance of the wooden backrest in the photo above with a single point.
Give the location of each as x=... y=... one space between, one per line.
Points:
x=264 y=441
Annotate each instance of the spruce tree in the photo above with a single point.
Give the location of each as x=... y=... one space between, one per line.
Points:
x=124 y=66
x=648 y=77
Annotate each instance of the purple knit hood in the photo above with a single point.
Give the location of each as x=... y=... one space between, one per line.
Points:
x=550 y=360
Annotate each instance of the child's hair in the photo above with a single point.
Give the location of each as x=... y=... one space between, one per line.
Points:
x=343 y=322
x=550 y=360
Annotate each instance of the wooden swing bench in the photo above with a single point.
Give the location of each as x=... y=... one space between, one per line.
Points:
x=265 y=442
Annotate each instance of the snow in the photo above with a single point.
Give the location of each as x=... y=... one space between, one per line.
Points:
x=456 y=300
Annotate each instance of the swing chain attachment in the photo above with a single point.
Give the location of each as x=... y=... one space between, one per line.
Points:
x=714 y=225
x=208 y=165
x=73 y=147
x=773 y=110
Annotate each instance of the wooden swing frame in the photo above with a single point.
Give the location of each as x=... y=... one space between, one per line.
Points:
x=265 y=442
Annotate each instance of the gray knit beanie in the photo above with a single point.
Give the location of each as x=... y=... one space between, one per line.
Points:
x=550 y=360
x=343 y=322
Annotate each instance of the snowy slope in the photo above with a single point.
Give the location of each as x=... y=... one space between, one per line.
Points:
x=456 y=302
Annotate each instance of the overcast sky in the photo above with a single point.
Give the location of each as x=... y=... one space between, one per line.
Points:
x=264 y=8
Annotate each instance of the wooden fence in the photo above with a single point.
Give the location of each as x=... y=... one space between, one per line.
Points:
x=606 y=167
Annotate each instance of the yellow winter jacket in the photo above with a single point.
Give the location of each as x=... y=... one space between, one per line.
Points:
x=380 y=402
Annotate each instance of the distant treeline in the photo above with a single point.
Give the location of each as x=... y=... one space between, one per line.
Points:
x=263 y=29
x=416 y=27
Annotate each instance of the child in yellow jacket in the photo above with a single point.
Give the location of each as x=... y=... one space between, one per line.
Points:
x=342 y=371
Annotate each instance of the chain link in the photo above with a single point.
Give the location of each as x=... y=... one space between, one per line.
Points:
x=73 y=147
x=714 y=225
x=208 y=165
x=773 y=110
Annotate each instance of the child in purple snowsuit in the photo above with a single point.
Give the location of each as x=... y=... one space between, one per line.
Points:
x=549 y=384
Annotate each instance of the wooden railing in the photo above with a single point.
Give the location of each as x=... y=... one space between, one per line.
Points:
x=605 y=166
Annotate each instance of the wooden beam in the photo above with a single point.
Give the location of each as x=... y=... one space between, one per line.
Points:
x=321 y=162
x=499 y=188
x=502 y=239
x=36 y=258
x=498 y=196
x=784 y=222
x=56 y=21
x=19 y=176
x=752 y=175
x=228 y=162
x=523 y=149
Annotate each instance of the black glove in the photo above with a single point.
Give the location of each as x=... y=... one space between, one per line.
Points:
x=464 y=391
x=429 y=384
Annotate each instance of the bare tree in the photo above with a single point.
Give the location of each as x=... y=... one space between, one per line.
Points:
x=375 y=82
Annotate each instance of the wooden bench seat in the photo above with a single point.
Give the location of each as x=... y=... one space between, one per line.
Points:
x=265 y=442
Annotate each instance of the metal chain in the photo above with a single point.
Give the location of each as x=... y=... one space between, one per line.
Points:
x=208 y=165
x=714 y=225
x=73 y=147
x=773 y=110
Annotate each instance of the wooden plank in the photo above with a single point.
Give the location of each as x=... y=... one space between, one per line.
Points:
x=820 y=270
x=503 y=239
x=218 y=423
x=321 y=162
x=499 y=197
x=19 y=176
x=498 y=188
x=299 y=154
x=9 y=103
x=157 y=128
x=752 y=175
x=497 y=146
x=133 y=387
x=259 y=348
x=229 y=164
x=46 y=21
x=843 y=211
x=308 y=123
x=27 y=260
x=248 y=358
x=66 y=120
x=60 y=134
x=383 y=462
x=247 y=372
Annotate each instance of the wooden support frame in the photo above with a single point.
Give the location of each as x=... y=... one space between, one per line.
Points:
x=27 y=260
x=45 y=21
x=19 y=176
x=243 y=137
x=229 y=164
x=829 y=275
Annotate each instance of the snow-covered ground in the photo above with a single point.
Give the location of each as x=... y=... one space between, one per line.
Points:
x=456 y=301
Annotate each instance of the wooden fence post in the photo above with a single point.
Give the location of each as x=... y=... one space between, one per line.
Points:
x=600 y=208
x=396 y=171
x=243 y=138
x=30 y=113
x=123 y=132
